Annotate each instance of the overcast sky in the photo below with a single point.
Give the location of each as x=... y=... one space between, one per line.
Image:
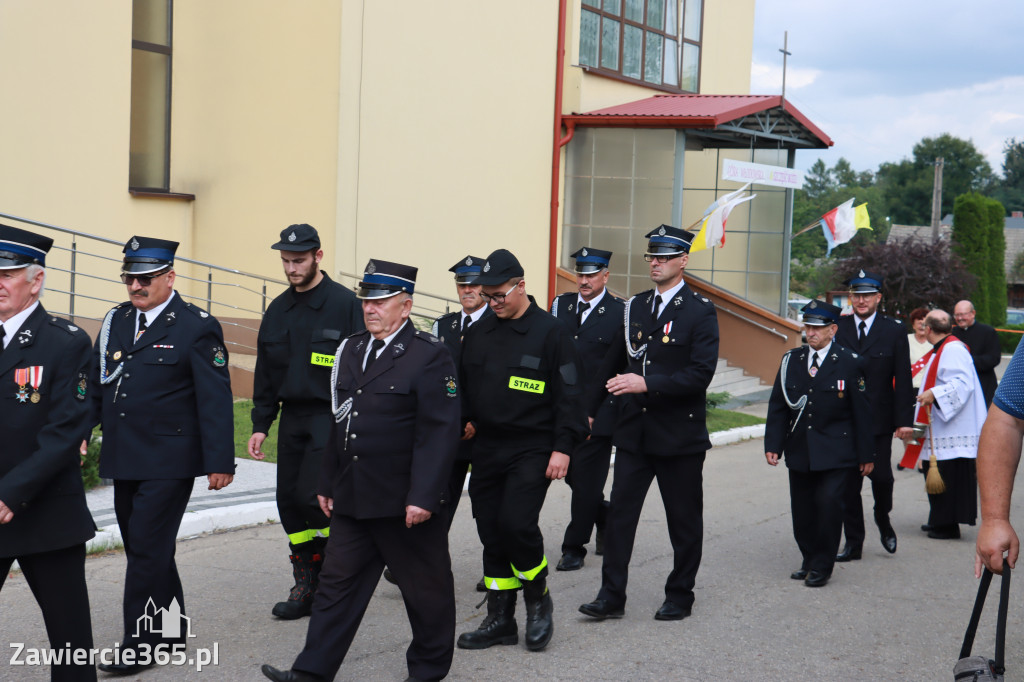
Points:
x=879 y=75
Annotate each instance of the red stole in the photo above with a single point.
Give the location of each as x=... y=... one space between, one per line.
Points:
x=923 y=415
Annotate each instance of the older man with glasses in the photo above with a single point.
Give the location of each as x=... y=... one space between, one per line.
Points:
x=521 y=384
x=162 y=392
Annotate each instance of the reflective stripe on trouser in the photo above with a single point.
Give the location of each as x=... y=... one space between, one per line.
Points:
x=307 y=535
x=502 y=583
x=532 y=573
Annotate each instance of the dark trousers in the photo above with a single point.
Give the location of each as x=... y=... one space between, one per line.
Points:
x=681 y=482
x=456 y=482
x=881 y=488
x=357 y=551
x=588 y=472
x=507 y=490
x=301 y=439
x=57 y=580
x=816 y=500
x=149 y=514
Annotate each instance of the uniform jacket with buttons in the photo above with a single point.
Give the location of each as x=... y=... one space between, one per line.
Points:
x=40 y=469
x=295 y=348
x=394 y=437
x=593 y=339
x=448 y=329
x=521 y=384
x=886 y=352
x=834 y=430
x=677 y=356
x=169 y=414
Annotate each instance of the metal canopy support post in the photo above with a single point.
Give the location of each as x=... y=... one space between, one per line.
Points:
x=787 y=240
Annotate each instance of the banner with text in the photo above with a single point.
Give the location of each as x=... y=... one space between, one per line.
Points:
x=761 y=174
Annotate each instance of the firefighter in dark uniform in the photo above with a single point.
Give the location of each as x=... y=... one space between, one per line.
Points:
x=450 y=329
x=594 y=317
x=881 y=342
x=44 y=521
x=820 y=421
x=295 y=352
x=163 y=396
x=661 y=367
x=521 y=386
x=395 y=430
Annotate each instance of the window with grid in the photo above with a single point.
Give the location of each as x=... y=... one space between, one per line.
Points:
x=654 y=42
x=150 y=137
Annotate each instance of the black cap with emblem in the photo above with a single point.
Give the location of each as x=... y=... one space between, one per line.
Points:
x=668 y=241
x=298 y=237
x=865 y=282
x=382 y=279
x=467 y=269
x=500 y=267
x=20 y=248
x=819 y=314
x=143 y=255
x=589 y=260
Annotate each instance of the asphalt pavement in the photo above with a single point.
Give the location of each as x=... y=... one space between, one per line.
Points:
x=897 y=616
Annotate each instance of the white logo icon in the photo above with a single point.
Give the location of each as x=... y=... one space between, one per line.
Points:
x=291 y=237
x=135 y=245
x=168 y=623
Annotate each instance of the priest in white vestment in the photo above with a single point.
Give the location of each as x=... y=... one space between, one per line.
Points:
x=952 y=389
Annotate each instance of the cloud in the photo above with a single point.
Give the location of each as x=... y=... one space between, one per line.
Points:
x=766 y=79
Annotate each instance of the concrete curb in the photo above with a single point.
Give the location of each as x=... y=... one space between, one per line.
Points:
x=737 y=435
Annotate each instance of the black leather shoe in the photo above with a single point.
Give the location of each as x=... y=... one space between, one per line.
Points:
x=272 y=673
x=889 y=540
x=570 y=561
x=671 y=611
x=951 y=532
x=123 y=668
x=816 y=579
x=601 y=609
x=926 y=527
x=798 y=574
x=848 y=554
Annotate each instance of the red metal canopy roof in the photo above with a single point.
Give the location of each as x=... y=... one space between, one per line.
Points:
x=766 y=117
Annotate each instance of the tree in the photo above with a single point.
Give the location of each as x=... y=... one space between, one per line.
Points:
x=996 y=259
x=917 y=274
x=971 y=242
x=1011 y=190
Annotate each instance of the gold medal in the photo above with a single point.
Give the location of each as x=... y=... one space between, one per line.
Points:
x=35 y=397
x=117 y=355
x=665 y=339
x=640 y=336
x=840 y=394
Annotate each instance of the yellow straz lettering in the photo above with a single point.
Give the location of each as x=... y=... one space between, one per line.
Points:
x=528 y=385
x=322 y=359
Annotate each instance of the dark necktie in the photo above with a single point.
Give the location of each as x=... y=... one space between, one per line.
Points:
x=3 y=332
x=466 y=321
x=814 y=365
x=142 y=325
x=863 y=332
x=657 y=307
x=584 y=307
x=374 y=350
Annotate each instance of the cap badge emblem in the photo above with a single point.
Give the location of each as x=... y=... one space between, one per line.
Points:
x=487 y=266
x=861 y=274
x=371 y=268
x=469 y=260
x=291 y=237
x=661 y=231
x=134 y=244
x=814 y=304
x=583 y=252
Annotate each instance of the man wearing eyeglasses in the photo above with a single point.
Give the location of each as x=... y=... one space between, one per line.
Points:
x=521 y=385
x=594 y=317
x=294 y=357
x=163 y=396
x=661 y=367
x=882 y=343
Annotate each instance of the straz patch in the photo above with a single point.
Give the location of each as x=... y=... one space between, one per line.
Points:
x=528 y=385
x=450 y=387
x=220 y=358
x=82 y=386
x=322 y=360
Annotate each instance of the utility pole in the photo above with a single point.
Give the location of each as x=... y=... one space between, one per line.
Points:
x=937 y=199
x=785 y=53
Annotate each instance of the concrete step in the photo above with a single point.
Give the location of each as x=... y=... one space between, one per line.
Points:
x=734 y=381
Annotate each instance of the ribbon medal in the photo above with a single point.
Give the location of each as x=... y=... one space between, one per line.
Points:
x=668 y=329
x=25 y=377
x=840 y=385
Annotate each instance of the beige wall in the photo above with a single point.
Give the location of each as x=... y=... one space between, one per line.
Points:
x=728 y=47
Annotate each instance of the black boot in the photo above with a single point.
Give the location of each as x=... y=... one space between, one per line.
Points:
x=540 y=624
x=499 y=627
x=306 y=570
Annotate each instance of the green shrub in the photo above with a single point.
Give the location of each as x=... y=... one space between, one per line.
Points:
x=716 y=399
x=91 y=463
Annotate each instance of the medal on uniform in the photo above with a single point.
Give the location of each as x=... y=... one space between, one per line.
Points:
x=840 y=385
x=668 y=328
x=35 y=380
x=640 y=336
x=21 y=379
x=117 y=355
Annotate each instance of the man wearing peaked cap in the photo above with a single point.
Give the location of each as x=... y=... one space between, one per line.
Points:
x=521 y=383
x=818 y=419
x=658 y=369
x=162 y=392
x=882 y=343
x=294 y=354
x=44 y=520
x=451 y=329
x=393 y=437
x=594 y=317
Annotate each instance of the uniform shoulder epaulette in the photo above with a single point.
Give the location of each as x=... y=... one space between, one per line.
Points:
x=703 y=299
x=64 y=325
x=196 y=310
x=426 y=336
